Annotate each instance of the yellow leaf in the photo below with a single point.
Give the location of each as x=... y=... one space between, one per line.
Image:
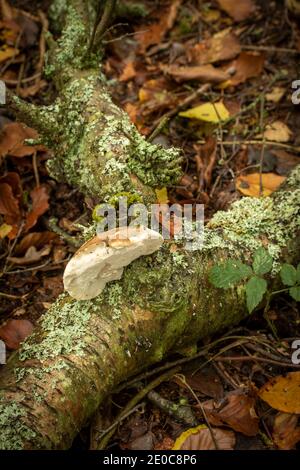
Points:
x=282 y=392
x=200 y=438
x=162 y=195
x=249 y=185
x=211 y=112
x=7 y=53
x=4 y=230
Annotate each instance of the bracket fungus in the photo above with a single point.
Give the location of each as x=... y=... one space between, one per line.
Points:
x=102 y=259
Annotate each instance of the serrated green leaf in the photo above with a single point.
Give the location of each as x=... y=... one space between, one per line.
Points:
x=262 y=262
x=298 y=273
x=288 y=275
x=255 y=290
x=229 y=273
x=295 y=293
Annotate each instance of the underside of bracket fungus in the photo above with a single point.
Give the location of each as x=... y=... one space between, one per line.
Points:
x=103 y=258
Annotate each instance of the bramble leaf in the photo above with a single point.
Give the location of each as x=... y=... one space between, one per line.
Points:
x=295 y=293
x=255 y=290
x=229 y=273
x=288 y=275
x=262 y=262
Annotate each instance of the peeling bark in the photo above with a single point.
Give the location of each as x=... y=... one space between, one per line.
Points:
x=81 y=350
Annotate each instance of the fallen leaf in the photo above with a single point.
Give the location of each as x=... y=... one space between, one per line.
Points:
x=249 y=185
x=7 y=52
x=222 y=46
x=147 y=35
x=200 y=438
x=203 y=73
x=210 y=112
x=32 y=255
x=247 y=65
x=275 y=94
x=144 y=442
x=14 y=332
x=162 y=196
x=238 y=10
x=10 y=198
x=132 y=111
x=33 y=89
x=236 y=411
x=4 y=230
x=36 y=239
x=286 y=433
x=285 y=161
x=206 y=381
x=278 y=131
x=283 y=392
x=12 y=140
x=40 y=205
x=128 y=73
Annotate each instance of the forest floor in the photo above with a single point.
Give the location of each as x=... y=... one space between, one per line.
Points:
x=213 y=78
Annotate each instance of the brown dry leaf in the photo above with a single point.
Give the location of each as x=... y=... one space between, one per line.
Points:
x=286 y=433
x=238 y=10
x=206 y=381
x=275 y=94
x=283 y=392
x=205 y=161
x=278 y=131
x=132 y=111
x=249 y=185
x=14 y=332
x=147 y=35
x=247 y=65
x=10 y=198
x=33 y=89
x=128 y=73
x=12 y=140
x=36 y=239
x=200 y=438
x=237 y=411
x=203 y=73
x=222 y=46
x=285 y=161
x=40 y=205
x=32 y=255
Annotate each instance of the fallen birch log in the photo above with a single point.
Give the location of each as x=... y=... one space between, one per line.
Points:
x=164 y=302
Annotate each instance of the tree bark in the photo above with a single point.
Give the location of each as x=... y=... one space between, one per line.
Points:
x=164 y=303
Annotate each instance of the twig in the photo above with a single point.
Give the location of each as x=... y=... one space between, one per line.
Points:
x=35 y=168
x=64 y=235
x=186 y=102
x=259 y=359
x=256 y=142
x=108 y=433
x=104 y=22
x=284 y=50
x=183 y=380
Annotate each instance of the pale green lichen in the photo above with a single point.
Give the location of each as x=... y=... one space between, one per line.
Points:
x=113 y=295
x=14 y=433
x=64 y=327
x=254 y=222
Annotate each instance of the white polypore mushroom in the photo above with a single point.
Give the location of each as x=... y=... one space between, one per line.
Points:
x=103 y=258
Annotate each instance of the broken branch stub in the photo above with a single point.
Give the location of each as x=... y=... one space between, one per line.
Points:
x=102 y=259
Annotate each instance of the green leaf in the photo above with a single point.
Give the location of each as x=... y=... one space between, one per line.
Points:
x=298 y=273
x=262 y=262
x=255 y=290
x=229 y=273
x=288 y=275
x=295 y=293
